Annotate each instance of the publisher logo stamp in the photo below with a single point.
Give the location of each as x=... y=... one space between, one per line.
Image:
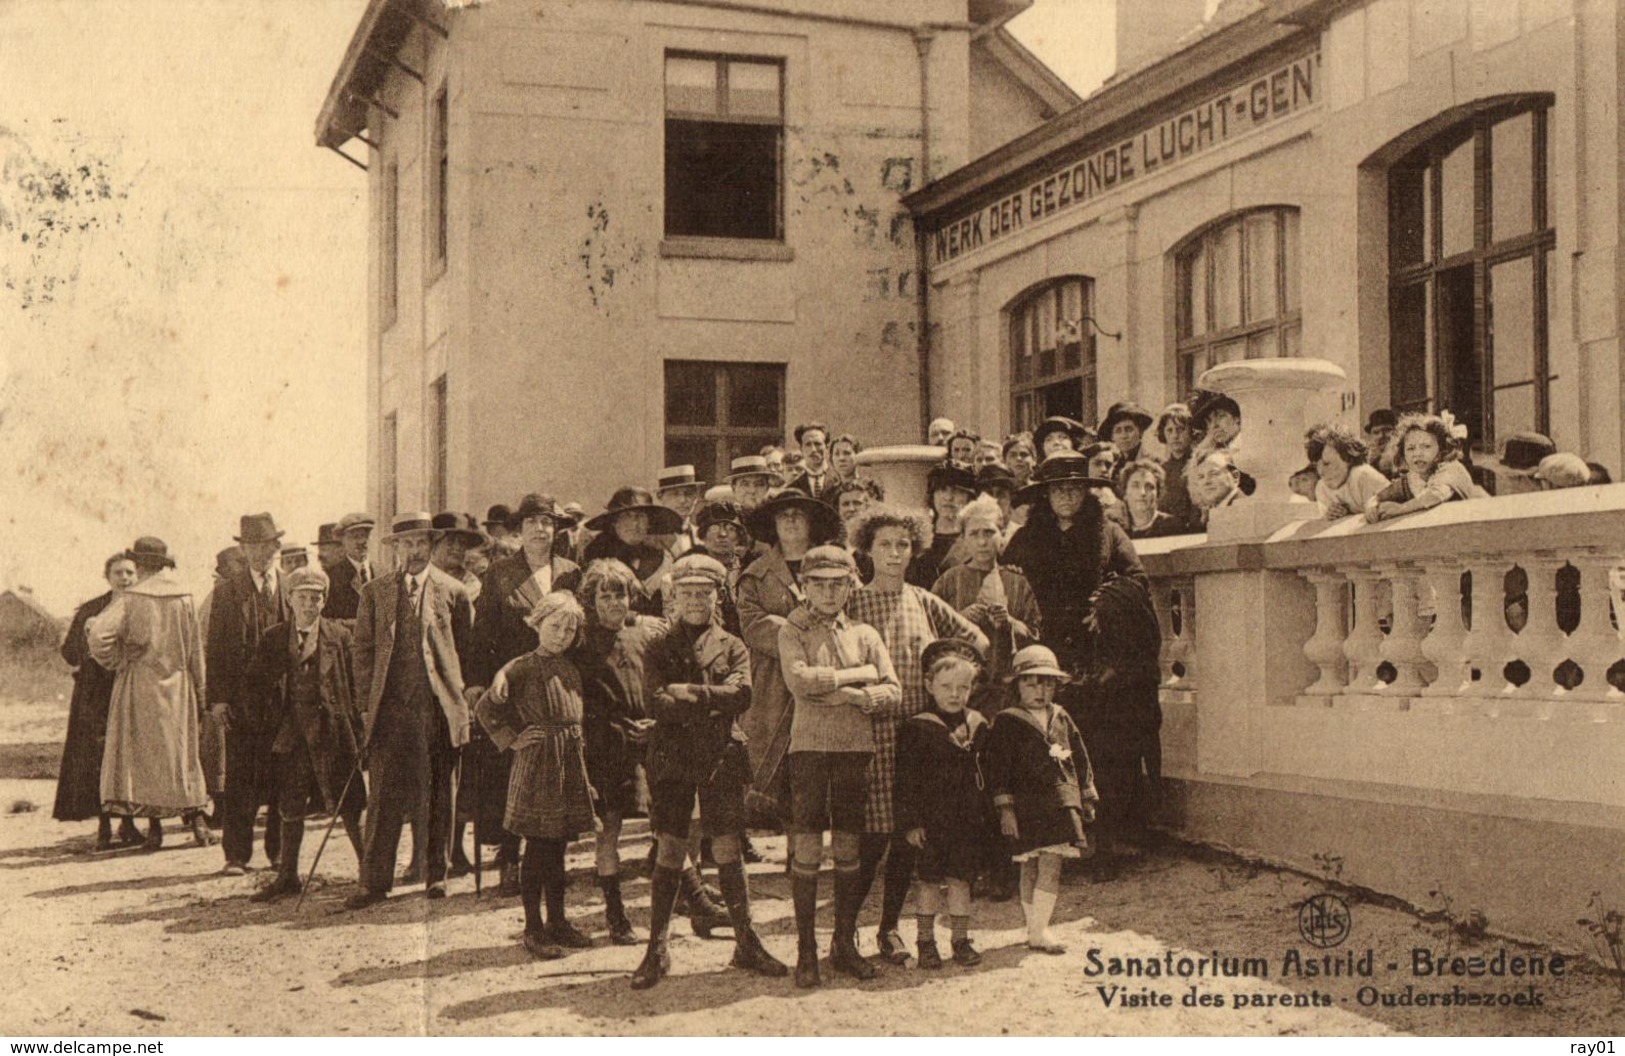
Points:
x=1324 y=921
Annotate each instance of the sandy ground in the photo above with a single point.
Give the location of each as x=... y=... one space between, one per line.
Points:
x=128 y=942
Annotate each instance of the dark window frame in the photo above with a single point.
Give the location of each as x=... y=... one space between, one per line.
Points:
x=390 y=249
x=1538 y=244
x=720 y=432
x=389 y=452
x=720 y=61
x=1199 y=338
x=440 y=446
x=1069 y=360
x=437 y=233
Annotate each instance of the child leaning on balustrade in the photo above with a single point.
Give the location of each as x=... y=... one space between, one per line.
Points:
x=1425 y=452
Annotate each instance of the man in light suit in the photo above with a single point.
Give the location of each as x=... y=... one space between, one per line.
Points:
x=411 y=629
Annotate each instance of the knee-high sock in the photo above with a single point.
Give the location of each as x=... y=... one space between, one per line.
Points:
x=736 y=893
x=662 y=898
x=614 y=908
x=532 y=878
x=848 y=901
x=1046 y=889
x=804 y=890
x=899 y=876
x=555 y=880
x=871 y=849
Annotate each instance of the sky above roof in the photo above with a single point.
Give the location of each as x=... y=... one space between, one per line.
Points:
x=1075 y=38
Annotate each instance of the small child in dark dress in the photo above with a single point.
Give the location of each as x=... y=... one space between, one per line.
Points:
x=940 y=801
x=1038 y=771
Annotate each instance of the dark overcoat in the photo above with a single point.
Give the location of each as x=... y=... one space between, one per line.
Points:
x=1047 y=789
x=237 y=622
x=941 y=788
x=79 y=779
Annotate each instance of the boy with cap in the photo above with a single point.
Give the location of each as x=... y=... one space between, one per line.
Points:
x=697 y=679
x=839 y=674
x=302 y=674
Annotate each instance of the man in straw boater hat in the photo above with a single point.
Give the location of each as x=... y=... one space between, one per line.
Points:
x=513 y=586
x=678 y=489
x=698 y=681
x=353 y=570
x=411 y=630
x=247 y=603
x=150 y=636
x=304 y=676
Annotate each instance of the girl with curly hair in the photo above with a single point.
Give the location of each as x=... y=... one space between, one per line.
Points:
x=908 y=618
x=1347 y=479
x=1428 y=460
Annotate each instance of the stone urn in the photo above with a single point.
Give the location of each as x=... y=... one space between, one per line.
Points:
x=901 y=470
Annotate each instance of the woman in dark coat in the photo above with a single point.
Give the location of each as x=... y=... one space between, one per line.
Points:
x=79 y=779
x=626 y=532
x=1066 y=550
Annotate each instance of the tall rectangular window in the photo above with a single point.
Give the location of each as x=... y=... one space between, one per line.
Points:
x=724 y=143
x=389 y=243
x=388 y=462
x=716 y=412
x=438 y=445
x=1470 y=242
x=1052 y=353
x=1236 y=292
x=439 y=173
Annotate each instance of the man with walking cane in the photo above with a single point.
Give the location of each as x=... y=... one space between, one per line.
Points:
x=301 y=678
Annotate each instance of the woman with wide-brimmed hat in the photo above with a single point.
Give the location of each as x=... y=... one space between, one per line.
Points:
x=627 y=531
x=150 y=637
x=790 y=523
x=1060 y=433
x=948 y=487
x=1066 y=548
x=1124 y=426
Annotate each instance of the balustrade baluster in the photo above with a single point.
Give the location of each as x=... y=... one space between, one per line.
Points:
x=1185 y=654
x=1325 y=649
x=1541 y=645
x=1364 y=642
x=1444 y=645
x=1488 y=645
x=1403 y=646
x=1595 y=643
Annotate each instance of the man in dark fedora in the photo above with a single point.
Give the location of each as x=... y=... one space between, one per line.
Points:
x=354 y=570
x=458 y=533
x=512 y=586
x=248 y=602
x=499 y=526
x=412 y=628
x=329 y=547
x=678 y=488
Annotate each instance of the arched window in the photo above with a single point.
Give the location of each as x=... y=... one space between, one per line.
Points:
x=1470 y=239
x=1052 y=354
x=1236 y=291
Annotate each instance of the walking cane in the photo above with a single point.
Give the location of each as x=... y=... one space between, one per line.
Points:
x=479 y=812
x=338 y=811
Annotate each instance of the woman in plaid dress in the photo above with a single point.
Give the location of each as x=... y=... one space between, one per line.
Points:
x=908 y=619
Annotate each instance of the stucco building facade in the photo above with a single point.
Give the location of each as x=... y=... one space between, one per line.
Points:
x=611 y=236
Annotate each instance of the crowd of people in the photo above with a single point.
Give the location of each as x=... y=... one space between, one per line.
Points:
x=963 y=697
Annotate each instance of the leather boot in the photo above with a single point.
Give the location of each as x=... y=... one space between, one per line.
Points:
x=662 y=896
x=749 y=953
x=843 y=949
x=704 y=915
x=620 y=928
x=804 y=891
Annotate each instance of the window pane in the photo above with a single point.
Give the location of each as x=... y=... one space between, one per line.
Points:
x=1072 y=308
x=753 y=395
x=1457 y=219
x=1289 y=259
x=1512 y=323
x=1227 y=352
x=1227 y=277
x=1264 y=343
x=1044 y=315
x=753 y=89
x=1193 y=290
x=722 y=179
x=1512 y=177
x=1407 y=346
x=701 y=453
x=1261 y=268
x=1514 y=410
x=691 y=85
x=1408 y=241
x=1292 y=339
x=691 y=394
x=1024 y=412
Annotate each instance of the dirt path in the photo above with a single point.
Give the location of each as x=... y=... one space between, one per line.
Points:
x=134 y=943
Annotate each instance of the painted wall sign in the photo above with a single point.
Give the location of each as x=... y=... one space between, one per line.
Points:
x=1214 y=122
